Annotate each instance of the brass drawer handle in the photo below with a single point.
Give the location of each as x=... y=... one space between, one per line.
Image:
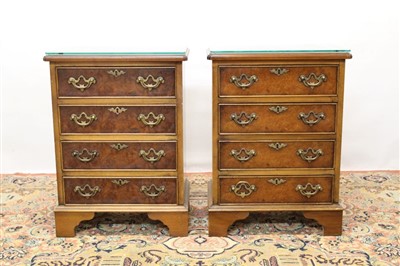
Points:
x=85 y=159
x=150 y=86
x=309 y=190
x=117 y=110
x=116 y=73
x=318 y=117
x=312 y=80
x=277 y=145
x=310 y=154
x=276 y=181
x=278 y=109
x=120 y=182
x=89 y=119
x=152 y=159
x=243 y=189
x=87 y=191
x=279 y=71
x=152 y=191
x=248 y=154
x=243 y=119
x=85 y=85
x=119 y=146
x=237 y=81
x=155 y=119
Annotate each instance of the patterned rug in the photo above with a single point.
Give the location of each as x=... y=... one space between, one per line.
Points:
x=370 y=230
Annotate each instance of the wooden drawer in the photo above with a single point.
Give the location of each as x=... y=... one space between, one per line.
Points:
x=119 y=155
x=276 y=154
x=277 y=118
x=273 y=80
x=118 y=119
x=285 y=189
x=108 y=81
x=120 y=190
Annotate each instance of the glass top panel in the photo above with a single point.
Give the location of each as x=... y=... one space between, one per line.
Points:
x=277 y=51
x=116 y=53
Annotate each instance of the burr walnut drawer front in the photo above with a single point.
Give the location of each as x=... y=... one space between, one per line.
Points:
x=286 y=189
x=118 y=119
x=116 y=81
x=277 y=118
x=120 y=190
x=119 y=155
x=276 y=154
x=278 y=80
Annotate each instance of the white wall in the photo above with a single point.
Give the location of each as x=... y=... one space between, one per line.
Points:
x=369 y=28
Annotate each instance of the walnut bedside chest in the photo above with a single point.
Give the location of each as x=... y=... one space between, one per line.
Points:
x=277 y=135
x=118 y=137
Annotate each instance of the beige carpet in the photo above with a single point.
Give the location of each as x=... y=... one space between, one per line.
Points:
x=370 y=230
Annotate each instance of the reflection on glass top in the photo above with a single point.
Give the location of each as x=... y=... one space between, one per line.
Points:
x=115 y=53
x=277 y=51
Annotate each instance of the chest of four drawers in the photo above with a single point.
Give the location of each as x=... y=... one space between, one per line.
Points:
x=118 y=135
x=276 y=134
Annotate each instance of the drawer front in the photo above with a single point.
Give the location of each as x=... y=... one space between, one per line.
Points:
x=293 y=189
x=277 y=118
x=119 y=155
x=120 y=190
x=134 y=82
x=118 y=119
x=278 y=80
x=276 y=154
